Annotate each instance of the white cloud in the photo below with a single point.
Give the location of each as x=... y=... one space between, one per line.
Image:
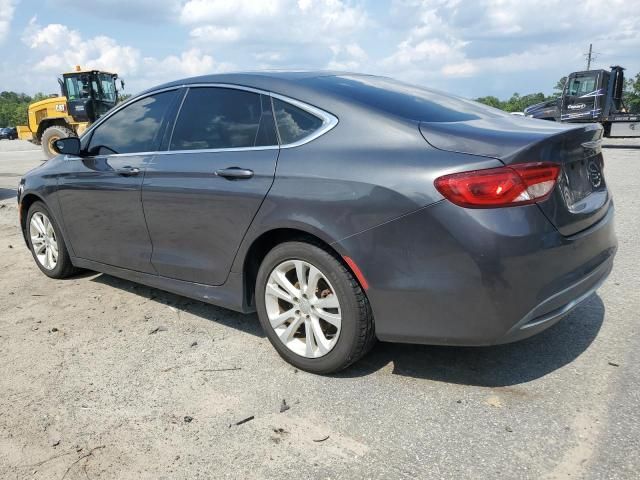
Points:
x=452 y=38
x=7 y=9
x=105 y=53
x=348 y=57
x=190 y=63
x=292 y=33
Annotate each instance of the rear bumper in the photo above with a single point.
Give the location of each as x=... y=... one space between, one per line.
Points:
x=452 y=276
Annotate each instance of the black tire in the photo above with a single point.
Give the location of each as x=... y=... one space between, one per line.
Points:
x=357 y=334
x=64 y=268
x=50 y=135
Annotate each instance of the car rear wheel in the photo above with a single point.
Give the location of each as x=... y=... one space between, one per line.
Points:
x=46 y=243
x=312 y=309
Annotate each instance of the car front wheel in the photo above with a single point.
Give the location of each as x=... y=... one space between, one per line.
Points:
x=312 y=309
x=46 y=243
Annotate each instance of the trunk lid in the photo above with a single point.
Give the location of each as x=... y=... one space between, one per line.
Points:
x=580 y=197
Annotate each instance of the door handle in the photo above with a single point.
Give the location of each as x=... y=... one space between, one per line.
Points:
x=234 y=173
x=128 y=171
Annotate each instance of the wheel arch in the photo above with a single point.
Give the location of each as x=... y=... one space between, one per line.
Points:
x=23 y=209
x=266 y=241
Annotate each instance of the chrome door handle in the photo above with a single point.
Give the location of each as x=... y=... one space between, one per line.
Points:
x=234 y=173
x=128 y=171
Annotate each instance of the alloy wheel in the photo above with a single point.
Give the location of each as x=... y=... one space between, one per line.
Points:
x=303 y=308
x=43 y=240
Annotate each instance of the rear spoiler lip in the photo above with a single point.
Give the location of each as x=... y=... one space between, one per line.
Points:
x=494 y=142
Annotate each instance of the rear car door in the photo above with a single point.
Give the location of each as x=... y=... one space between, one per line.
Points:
x=201 y=194
x=100 y=192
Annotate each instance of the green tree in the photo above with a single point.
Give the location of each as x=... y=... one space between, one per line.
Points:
x=632 y=94
x=13 y=107
x=559 y=88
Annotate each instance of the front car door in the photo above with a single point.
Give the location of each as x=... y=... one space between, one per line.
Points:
x=200 y=195
x=100 y=191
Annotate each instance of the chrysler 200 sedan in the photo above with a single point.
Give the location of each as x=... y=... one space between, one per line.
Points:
x=343 y=208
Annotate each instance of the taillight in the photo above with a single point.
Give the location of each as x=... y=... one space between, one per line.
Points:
x=500 y=187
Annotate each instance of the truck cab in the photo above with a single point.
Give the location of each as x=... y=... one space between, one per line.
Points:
x=592 y=96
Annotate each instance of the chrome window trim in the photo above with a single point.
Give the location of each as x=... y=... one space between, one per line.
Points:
x=329 y=121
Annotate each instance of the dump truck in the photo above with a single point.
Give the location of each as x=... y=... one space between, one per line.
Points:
x=592 y=96
x=85 y=95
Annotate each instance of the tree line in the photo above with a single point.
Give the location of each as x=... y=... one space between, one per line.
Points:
x=13 y=107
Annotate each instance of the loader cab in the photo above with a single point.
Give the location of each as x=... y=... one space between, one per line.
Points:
x=90 y=94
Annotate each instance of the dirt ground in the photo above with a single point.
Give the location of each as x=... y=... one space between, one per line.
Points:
x=101 y=378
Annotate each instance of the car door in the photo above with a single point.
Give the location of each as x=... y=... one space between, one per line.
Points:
x=200 y=195
x=100 y=191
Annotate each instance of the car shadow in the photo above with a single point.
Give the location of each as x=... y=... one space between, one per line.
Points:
x=247 y=323
x=8 y=193
x=497 y=366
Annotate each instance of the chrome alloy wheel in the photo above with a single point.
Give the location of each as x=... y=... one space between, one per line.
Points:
x=43 y=240
x=303 y=308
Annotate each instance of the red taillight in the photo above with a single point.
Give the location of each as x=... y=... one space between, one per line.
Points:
x=500 y=187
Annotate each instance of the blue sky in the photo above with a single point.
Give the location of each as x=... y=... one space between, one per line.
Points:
x=472 y=48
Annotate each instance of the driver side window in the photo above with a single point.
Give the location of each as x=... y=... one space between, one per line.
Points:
x=135 y=128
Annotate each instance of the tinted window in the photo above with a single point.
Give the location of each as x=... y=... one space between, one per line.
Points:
x=294 y=124
x=223 y=118
x=135 y=128
x=404 y=100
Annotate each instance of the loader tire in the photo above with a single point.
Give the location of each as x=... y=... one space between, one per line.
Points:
x=50 y=135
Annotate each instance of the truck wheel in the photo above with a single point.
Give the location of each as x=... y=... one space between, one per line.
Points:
x=50 y=135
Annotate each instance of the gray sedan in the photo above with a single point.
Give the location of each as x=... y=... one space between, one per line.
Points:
x=344 y=208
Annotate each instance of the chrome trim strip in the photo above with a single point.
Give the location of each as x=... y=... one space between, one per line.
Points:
x=218 y=150
x=329 y=121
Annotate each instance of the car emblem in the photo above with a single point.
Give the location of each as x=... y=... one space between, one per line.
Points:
x=576 y=106
x=595 y=175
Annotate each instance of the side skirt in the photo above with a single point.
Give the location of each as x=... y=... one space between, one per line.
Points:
x=230 y=295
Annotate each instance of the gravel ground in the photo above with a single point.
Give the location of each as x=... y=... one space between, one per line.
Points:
x=103 y=378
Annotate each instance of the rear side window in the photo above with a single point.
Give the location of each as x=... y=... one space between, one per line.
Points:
x=135 y=128
x=294 y=123
x=214 y=117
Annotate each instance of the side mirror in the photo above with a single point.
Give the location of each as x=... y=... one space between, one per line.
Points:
x=122 y=84
x=67 y=146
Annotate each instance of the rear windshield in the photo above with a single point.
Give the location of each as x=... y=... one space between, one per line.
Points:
x=404 y=100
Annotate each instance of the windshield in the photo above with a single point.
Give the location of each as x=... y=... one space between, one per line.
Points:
x=582 y=85
x=100 y=87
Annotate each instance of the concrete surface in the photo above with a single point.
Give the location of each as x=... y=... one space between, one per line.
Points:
x=88 y=390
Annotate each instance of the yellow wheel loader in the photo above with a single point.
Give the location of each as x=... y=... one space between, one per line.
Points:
x=85 y=96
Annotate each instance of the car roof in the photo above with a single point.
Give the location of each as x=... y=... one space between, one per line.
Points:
x=337 y=92
x=265 y=80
